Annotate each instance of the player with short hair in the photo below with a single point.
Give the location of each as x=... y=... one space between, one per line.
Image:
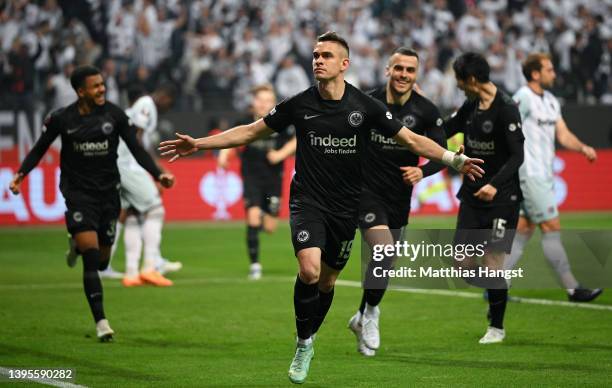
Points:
x=542 y=124
x=489 y=207
x=90 y=129
x=262 y=175
x=390 y=172
x=331 y=119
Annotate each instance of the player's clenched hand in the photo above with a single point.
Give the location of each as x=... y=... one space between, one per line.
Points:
x=589 y=153
x=15 y=185
x=166 y=179
x=470 y=166
x=185 y=145
x=486 y=193
x=412 y=175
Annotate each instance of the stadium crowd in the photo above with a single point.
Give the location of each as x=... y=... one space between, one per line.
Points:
x=217 y=50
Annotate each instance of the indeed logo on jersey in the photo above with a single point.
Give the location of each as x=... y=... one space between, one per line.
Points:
x=386 y=143
x=481 y=147
x=334 y=145
x=376 y=137
x=91 y=148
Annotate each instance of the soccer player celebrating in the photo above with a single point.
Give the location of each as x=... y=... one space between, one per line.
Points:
x=90 y=129
x=262 y=175
x=330 y=120
x=389 y=173
x=542 y=123
x=492 y=126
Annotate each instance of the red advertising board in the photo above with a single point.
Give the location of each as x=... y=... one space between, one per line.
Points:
x=204 y=192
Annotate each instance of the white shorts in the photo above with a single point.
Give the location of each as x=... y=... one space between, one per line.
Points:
x=539 y=202
x=138 y=190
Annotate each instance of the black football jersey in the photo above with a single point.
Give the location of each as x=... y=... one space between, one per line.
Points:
x=494 y=135
x=88 y=158
x=330 y=136
x=384 y=156
x=254 y=156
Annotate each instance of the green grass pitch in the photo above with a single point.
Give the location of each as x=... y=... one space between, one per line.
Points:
x=215 y=328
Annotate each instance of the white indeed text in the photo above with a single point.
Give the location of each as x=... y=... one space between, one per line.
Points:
x=340 y=145
x=486 y=147
x=378 y=138
x=90 y=147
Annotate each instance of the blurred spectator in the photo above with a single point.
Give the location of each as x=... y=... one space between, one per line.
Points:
x=218 y=49
x=60 y=89
x=291 y=78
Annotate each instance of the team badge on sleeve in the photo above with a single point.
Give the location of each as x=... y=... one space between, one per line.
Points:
x=303 y=236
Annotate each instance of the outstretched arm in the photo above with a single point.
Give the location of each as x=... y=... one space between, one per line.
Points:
x=35 y=154
x=568 y=140
x=427 y=148
x=186 y=145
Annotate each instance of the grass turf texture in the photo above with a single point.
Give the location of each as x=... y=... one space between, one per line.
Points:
x=215 y=328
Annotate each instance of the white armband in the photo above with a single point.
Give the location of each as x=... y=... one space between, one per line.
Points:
x=453 y=160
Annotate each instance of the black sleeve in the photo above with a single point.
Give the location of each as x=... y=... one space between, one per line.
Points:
x=510 y=121
x=127 y=131
x=436 y=133
x=456 y=122
x=380 y=118
x=280 y=117
x=50 y=132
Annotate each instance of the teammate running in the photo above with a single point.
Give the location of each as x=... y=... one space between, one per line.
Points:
x=90 y=129
x=262 y=175
x=390 y=171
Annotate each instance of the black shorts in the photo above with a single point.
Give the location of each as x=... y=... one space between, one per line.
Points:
x=311 y=227
x=262 y=192
x=494 y=227
x=93 y=212
x=374 y=210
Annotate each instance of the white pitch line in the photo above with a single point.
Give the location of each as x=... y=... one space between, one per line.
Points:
x=51 y=382
x=473 y=295
x=340 y=282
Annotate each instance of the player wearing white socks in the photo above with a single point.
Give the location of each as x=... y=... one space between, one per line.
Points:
x=542 y=123
x=142 y=208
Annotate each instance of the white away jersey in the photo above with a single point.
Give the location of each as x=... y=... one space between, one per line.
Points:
x=143 y=114
x=539 y=115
